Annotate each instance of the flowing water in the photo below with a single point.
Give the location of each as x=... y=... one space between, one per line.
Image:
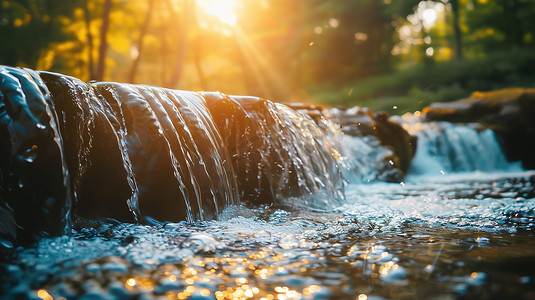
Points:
x=458 y=237
x=459 y=227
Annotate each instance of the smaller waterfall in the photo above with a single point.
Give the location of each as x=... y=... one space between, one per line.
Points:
x=445 y=148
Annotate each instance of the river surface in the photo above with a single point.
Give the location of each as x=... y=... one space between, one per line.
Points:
x=460 y=236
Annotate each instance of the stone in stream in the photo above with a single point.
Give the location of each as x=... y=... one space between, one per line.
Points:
x=101 y=178
x=34 y=180
x=181 y=169
x=107 y=150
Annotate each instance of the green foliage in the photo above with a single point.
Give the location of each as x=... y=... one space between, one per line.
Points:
x=416 y=87
x=27 y=27
x=500 y=23
x=283 y=49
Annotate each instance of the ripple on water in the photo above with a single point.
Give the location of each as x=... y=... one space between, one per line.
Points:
x=388 y=241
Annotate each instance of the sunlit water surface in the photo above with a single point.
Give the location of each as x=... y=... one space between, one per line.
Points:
x=448 y=237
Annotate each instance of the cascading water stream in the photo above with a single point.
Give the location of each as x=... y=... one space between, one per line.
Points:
x=445 y=148
x=136 y=153
x=278 y=154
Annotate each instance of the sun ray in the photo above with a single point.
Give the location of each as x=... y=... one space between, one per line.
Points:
x=224 y=10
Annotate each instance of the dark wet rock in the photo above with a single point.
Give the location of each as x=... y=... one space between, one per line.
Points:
x=181 y=169
x=392 y=135
x=508 y=112
x=8 y=230
x=108 y=150
x=93 y=149
x=120 y=151
x=34 y=180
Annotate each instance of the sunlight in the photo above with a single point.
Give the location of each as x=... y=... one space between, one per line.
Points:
x=222 y=9
x=260 y=63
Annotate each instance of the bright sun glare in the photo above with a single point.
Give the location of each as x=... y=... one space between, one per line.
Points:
x=222 y=9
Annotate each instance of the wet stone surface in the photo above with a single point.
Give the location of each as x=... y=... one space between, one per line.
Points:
x=455 y=237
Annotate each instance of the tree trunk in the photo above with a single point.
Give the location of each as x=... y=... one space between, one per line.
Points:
x=457 y=29
x=517 y=32
x=103 y=47
x=197 y=47
x=142 y=33
x=183 y=40
x=89 y=36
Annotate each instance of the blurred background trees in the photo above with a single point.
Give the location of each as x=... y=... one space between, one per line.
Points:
x=395 y=55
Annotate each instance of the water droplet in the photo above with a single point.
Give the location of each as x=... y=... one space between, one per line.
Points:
x=6 y=244
x=41 y=126
x=30 y=154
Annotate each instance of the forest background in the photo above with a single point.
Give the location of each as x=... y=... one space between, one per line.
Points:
x=393 y=55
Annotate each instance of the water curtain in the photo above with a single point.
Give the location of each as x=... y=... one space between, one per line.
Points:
x=127 y=152
x=445 y=148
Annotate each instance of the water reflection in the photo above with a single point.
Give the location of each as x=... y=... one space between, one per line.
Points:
x=389 y=243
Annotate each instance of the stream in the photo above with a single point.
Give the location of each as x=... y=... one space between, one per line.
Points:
x=263 y=202
x=466 y=236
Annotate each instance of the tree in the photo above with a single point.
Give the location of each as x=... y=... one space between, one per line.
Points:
x=457 y=29
x=103 y=46
x=28 y=28
x=89 y=37
x=141 y=37
x=183 y=25
x=501 y=24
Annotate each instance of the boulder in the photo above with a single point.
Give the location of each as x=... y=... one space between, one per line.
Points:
x=509 y=112
x=392 y=135
x=35 y=197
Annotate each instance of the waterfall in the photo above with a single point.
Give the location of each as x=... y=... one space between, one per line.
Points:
x=127 y=152
x=372 y=146
x=278 y=153
x=134 y=153
x=445 y=148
